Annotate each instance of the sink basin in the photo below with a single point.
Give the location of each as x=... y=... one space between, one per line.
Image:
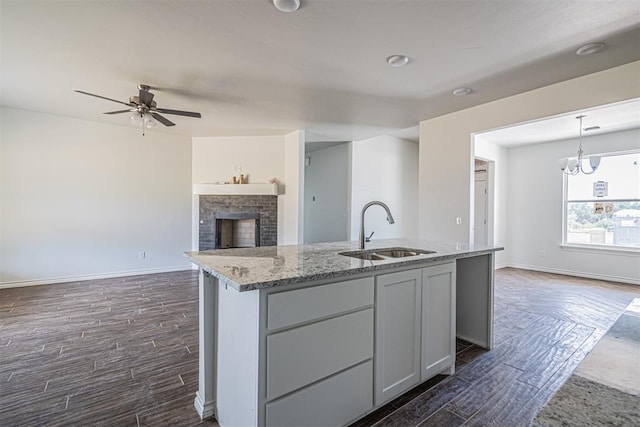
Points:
x=364 y=255
x=385 y=253
x=401 y=252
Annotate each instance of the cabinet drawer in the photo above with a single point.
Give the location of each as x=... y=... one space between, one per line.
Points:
x=302 y=305
x=332 y=402
x=301 y=356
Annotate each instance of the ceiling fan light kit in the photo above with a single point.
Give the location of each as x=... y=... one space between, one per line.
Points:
x=144 y=109
x=145 y=120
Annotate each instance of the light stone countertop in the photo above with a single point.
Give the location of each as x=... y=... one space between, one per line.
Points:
x=247 y=269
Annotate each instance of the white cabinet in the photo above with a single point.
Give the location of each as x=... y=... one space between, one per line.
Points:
x=326 y=354
x=438 y=319
x=308 y=304
x=415 y=328
x=300 y=356
x=397 y=333
x=317 y=347
x=334 y=401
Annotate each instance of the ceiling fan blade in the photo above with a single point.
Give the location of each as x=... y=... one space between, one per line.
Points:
x=119 y=111
x=162 y=120
x=104 y=97
x=145 y=97
x=178 y=112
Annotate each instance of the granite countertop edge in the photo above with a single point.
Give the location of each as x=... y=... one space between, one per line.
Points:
x=327 y=253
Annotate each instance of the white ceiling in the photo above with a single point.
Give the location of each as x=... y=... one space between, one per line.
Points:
x=252 y=70
x=610 y=118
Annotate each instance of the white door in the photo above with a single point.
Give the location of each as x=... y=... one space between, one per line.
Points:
x=480 y=212
x=397 y=344
x=438 y=319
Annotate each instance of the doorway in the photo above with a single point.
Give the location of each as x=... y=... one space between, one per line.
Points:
x=326 y=192
x=481 y=203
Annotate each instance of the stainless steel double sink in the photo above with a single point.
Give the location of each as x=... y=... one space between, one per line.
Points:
x=385 y=253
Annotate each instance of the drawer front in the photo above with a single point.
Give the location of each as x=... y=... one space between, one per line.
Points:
x=301 y=356
x=332 y=402
x=303 y=305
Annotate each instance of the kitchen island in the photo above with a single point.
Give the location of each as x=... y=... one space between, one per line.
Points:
x=306 y=335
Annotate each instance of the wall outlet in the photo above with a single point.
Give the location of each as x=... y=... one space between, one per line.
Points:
x=458 y=220
x=238 y=169
x=142 y=254
x=543 y=254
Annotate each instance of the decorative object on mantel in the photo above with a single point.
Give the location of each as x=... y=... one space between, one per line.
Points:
x=244 y=179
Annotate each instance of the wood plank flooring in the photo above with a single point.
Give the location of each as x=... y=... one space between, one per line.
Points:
x=104 y=352
x=545 y=324
x=123 y=352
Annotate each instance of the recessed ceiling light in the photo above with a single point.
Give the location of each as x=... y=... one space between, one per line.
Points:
x=462 y=91
x=590 y=49
x=287 y=5
x=398 y=60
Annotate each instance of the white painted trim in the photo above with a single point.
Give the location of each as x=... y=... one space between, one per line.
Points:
x=54 y=280
x=205 y=401
x=577 y=274
x=195 y=222
x=600 y=249
x=204 y=409
x=237 y=189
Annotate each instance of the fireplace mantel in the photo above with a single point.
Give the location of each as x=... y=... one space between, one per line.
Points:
x=236 y=189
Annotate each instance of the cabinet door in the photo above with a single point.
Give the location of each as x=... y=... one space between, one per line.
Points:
x=397 y=333
x=438 y=319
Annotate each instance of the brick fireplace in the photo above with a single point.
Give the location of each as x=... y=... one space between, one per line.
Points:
x=237 y=221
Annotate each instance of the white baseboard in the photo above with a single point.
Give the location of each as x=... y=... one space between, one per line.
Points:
x=205 y=409
x=54 y=280
x=577 y=274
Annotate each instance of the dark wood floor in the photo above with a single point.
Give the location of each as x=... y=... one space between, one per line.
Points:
x=123 y=352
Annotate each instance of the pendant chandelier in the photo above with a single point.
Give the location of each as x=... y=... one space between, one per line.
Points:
x=574 y=166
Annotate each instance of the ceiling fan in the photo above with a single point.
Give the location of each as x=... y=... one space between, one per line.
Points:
x=144 y=108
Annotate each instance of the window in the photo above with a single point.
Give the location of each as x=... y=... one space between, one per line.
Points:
x=603 y=209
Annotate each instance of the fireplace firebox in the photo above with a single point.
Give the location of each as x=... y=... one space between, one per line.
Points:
x=237 y=230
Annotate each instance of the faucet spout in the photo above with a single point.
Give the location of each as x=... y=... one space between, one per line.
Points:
x=390 y=219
